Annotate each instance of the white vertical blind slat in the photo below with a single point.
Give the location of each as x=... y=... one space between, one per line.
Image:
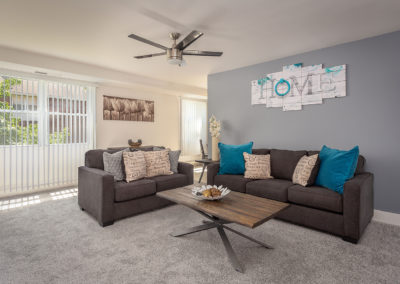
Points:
x=4 y=139
x=38 y=109
x=46 y=141
x=79 y=127
x=10 y=145
x=70 y=131
x=58 y=131
x=15 y=148
x=74 y=127
x=32 y=152
x=23 y=121
x=62 y=127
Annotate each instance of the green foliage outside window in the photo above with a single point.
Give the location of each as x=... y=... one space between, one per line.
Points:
x=12 y=130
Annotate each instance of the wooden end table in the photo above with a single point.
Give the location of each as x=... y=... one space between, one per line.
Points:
x=240 y=208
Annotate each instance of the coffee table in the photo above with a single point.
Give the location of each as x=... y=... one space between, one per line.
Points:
x=240 y=208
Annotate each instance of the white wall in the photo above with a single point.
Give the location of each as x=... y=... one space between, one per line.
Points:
x=164 y=131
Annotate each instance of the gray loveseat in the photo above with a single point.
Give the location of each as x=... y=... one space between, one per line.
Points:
x=345 y=215
x=108 y=201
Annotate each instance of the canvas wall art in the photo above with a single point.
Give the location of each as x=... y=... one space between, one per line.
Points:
x=296 y=86
x=115 y=108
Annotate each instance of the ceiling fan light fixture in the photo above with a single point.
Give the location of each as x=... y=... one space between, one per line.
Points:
x=174 y=56
x=175 y=61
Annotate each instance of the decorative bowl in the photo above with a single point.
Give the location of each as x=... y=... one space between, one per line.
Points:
x=135 y=144
x=198 y=192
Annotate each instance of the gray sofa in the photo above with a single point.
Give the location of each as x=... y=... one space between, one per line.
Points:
x=345 y=215
x=108 y=201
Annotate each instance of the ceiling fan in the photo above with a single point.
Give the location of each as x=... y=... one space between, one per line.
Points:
x=175 y=53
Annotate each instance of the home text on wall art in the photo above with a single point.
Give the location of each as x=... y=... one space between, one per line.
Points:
x=296 y=85
x=115 y=108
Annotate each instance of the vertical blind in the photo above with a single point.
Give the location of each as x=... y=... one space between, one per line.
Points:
x=194 y=126
x=45 y=129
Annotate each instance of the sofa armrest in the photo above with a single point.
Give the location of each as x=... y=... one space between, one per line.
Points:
x=358 y=205
x=212 y=171
x=96 y=194
x=187 y=170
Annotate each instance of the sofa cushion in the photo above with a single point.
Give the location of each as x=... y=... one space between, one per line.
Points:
x=283 y=163
x=114 y=165
x=276 y=189
x=157 y=163
x=360 y=162
x=316 y=197
x=257 y=166
x=136 y=189
x=94 y=158
x=261 y=151
x=174 y=160
x=232 y=161
x=135 y=165
x=173 y=157
x=337 y=166
x=305 y=172
x=233 y=182
x=169 y=181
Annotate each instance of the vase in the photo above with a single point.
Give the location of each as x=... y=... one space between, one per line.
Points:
x=215 y=149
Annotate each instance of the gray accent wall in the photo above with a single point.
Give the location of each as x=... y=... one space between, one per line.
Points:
x=369 y=116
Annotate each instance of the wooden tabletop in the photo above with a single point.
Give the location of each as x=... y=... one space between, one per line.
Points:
x=241 y=208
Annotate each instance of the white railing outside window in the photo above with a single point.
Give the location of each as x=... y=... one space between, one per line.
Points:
x=45 y=129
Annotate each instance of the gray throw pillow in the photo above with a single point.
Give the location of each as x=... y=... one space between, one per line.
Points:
x=113 y=164
x=173 y=160
x=173 y=157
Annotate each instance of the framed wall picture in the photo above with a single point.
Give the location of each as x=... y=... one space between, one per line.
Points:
x=115 y=108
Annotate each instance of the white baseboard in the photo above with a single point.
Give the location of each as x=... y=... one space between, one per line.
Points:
x=386 y=217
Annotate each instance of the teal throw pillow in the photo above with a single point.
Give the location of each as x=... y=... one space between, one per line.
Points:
x=232 y=160
x=336 y=167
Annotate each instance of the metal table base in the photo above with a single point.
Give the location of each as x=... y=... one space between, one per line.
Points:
x=220 y=226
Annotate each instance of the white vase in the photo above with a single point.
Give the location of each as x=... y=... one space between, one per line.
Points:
x=215 y=149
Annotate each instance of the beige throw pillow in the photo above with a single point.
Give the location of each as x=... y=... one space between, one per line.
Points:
x=135 y=165
x=257 y=166
x=304 y=169
x=157 y=163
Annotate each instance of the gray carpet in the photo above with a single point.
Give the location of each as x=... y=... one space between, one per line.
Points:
x=54 y=242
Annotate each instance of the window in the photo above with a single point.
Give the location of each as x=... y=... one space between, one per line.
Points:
x=45 y=129
x=194 y=127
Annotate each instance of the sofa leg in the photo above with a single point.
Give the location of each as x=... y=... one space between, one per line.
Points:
x=83 y=209
x=350 y=240
x=105 y=224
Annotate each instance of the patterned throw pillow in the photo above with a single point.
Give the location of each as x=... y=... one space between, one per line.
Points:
x=257 y=166
x=173 y=157
x=304 y=169
x=113 y=164
x=135 y=165
x=157 y=163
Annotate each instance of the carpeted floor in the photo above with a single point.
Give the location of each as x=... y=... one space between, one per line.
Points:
x=54 y=242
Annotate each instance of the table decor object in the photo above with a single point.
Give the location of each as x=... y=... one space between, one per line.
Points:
x=210 y=192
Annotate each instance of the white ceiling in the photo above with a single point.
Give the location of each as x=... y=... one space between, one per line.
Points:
x=248 y=32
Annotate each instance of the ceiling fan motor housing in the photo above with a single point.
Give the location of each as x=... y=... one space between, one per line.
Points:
x=173 y=53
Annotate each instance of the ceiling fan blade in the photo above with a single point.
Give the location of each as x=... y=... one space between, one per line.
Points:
x=150 y=55
x=202 y=53
x=188 y=40
x=147 y=41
